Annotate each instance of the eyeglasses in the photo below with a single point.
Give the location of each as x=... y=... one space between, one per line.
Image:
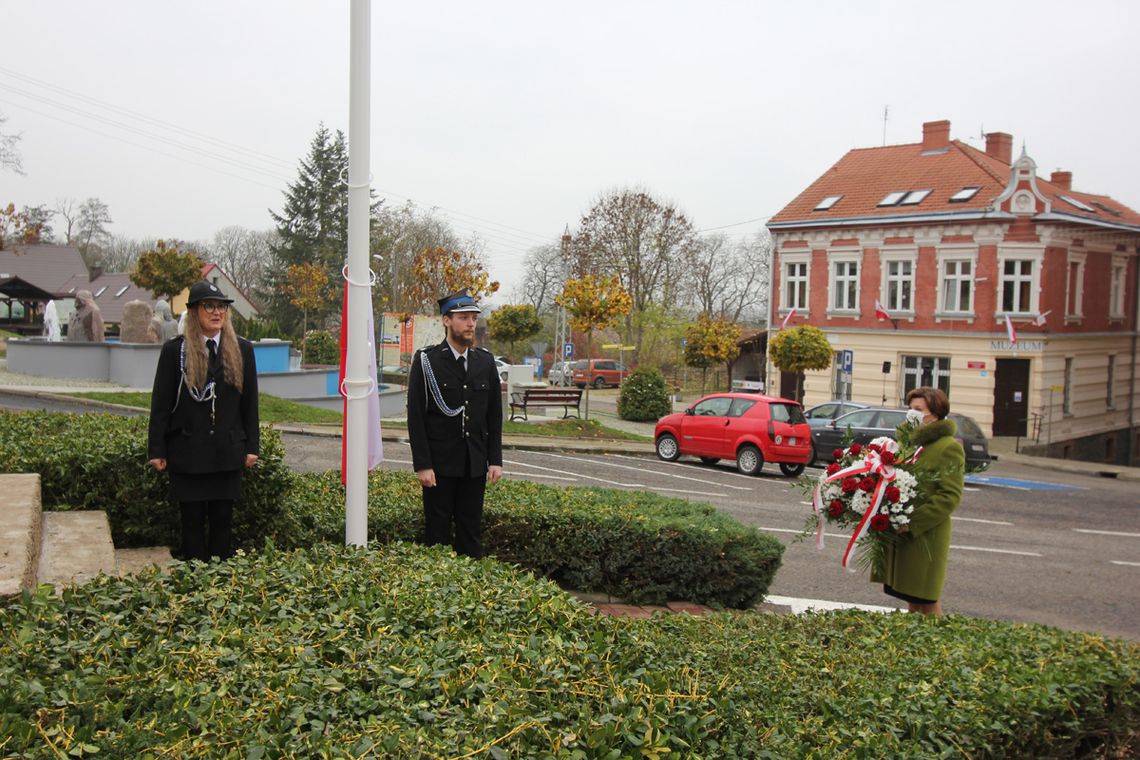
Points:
x=212 y=306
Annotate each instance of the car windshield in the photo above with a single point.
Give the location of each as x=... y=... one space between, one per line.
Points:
x=793 y=414
x=967 y=426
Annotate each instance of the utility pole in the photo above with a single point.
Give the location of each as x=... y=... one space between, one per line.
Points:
x=563 y=326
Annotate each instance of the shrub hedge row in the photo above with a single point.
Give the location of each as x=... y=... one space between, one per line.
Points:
x=408 y=652
x=636 y=546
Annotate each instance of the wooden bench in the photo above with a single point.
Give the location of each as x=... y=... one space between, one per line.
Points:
x=530 y=398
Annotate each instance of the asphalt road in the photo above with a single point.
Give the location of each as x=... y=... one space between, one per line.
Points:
x=1030 y=546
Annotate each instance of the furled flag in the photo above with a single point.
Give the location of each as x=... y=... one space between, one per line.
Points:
x=1039 y=320
x=1010 y=330
x=787 y=318
x=375 y=444
x=880 y=312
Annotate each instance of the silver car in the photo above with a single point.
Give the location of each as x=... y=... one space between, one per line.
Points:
x=560 y=373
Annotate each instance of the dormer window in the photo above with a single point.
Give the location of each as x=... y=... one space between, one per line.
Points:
x=965 y=194
x=827 y=203
x=1077 y=204
x=892 y=199
x=914 y=197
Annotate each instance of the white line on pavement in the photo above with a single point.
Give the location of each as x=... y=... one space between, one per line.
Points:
x=803 y=605
x=1121 y=562
x=790 y=530
x=575 y=475
x=1107 y=533
x=642 y=469
x=692 y=493
x=995 y=551
x=538 y=475
x=720 y=471
x=978 y=520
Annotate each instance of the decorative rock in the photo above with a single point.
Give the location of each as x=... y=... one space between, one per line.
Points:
x=86 y=323
x=138 y=323
x=164 y=324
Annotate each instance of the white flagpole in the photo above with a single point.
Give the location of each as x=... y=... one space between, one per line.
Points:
x=357 y=384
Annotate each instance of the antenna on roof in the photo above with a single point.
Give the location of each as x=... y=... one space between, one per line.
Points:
x=886 y=111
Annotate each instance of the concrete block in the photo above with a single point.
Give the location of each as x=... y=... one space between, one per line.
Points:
x=75 y=548
x=20 y=512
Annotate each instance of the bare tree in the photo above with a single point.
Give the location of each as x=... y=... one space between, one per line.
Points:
x=545 y=271
x=121 y=252
x=244 y=254
x=92 y=233
x=69 y=210
x=399 y=234
x=641 y=240
x=10 y=158
x=729 y=279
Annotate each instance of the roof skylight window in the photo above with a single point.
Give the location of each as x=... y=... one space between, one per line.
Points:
x=827 y=203
x=99 y=292
x=965 y=194
x=121 y=290
x=914 y=197
x=1077 y=204
x=1109 y=209
x=892 y=199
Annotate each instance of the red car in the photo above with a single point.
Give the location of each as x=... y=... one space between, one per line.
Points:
x=747 y=427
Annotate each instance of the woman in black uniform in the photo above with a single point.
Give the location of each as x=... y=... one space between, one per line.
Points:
x=203 y=421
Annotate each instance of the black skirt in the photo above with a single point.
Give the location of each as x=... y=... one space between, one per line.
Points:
x=906 y=597
x=206 y=486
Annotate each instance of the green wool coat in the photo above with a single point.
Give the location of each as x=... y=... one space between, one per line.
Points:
x=916 y=564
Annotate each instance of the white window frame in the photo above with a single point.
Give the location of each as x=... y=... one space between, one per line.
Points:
x=1118 y=279
x=1033 y=252
x=945 y=255
x=939 y=368
x=1076 y=299
x=804 y=258
x=834 y=259
x=902 y=256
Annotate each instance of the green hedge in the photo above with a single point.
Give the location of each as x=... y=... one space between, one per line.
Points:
x=406 y=652
x=321 y=347
x=638 y=546
x=99 y=461
x=644 y=396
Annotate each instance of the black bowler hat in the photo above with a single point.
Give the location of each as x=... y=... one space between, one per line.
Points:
x=456 y=302
x=206 y=291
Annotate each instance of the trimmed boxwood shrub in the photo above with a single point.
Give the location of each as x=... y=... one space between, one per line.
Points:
x=321 y=347
x=408 y=652
x=99 y=461
x=644 y=396
x=636 y=546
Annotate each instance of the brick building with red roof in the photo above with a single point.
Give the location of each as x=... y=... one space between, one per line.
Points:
x=1015 y=294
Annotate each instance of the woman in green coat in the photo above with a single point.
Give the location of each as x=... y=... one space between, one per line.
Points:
x=915 y=567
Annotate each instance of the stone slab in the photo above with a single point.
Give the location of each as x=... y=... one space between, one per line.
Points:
x=131 y=561
x=75 y=548
x=20 y=512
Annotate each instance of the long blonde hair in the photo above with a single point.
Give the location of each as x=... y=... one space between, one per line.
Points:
x=197 y=358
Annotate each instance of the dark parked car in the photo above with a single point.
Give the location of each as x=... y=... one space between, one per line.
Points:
x=821 y=414
x=873 y=422
x=747 y=427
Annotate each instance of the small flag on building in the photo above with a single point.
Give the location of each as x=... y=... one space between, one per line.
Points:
x=787 y=318
x=1010 y=331
x=1039 y=320
x=880 y=312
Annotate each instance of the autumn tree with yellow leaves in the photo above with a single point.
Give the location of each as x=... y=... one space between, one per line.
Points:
x=440 y=271
x=305 y=286
x=710 y=341
x=594 y=302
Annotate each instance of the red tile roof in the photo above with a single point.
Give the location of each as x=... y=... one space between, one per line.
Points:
x=865 y=176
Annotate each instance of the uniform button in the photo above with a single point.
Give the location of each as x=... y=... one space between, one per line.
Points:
x=465 y=386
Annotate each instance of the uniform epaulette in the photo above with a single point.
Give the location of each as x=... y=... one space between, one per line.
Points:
x=480 y=348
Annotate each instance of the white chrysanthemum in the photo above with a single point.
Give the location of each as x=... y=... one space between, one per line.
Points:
x=886 y=444
x=860 y=501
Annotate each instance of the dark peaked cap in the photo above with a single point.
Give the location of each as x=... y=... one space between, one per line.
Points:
x=206 y=291
x=456 y=302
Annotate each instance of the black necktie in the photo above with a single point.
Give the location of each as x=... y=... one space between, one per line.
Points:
x=462 y=365
x=212 y=349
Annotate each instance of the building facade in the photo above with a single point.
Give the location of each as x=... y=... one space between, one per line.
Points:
x=937 y=263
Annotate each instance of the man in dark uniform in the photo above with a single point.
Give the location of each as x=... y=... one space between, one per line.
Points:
x=455 y=423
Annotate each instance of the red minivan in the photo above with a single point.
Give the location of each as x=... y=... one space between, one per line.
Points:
x=746 y=427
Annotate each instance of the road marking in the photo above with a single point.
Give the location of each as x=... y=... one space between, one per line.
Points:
x=574 y=475
x=789 y=530
x=537 y=475
x=692 y=493
x=979 y=520
x=1121 y=562
x=1019 y=484
x=718 y=470
x=643 y=470
x=1107 y=533
x=803 y=605
x=995 y=551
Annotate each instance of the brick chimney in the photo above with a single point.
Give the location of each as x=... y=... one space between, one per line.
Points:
x=1000 y=146
x=1063 y=180
x=935 y=135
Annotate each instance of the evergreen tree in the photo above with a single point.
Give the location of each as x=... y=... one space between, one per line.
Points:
x=312 y=228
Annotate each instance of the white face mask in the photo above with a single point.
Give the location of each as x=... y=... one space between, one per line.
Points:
x=914 y=417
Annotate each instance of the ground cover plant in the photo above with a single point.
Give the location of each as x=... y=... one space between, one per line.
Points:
x=572 y=428
x=271 y=409
x=636 y=546
x=407 y=652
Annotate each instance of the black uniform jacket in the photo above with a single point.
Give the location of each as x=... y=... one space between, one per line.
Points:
x=185 y=436
x=443 y=443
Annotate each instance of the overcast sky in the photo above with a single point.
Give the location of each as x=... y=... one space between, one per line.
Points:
x=512 y=117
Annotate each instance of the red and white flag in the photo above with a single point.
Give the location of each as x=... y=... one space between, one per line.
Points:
x=787 y=318
x=1039 y=320
x=1010 y=331
x=880 y=312
x=375 y=443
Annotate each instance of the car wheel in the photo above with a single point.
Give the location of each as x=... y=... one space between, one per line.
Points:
x=667 y=448
x=599 y=382
x=710 y=460
x=749 y=460
x=791 y=470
